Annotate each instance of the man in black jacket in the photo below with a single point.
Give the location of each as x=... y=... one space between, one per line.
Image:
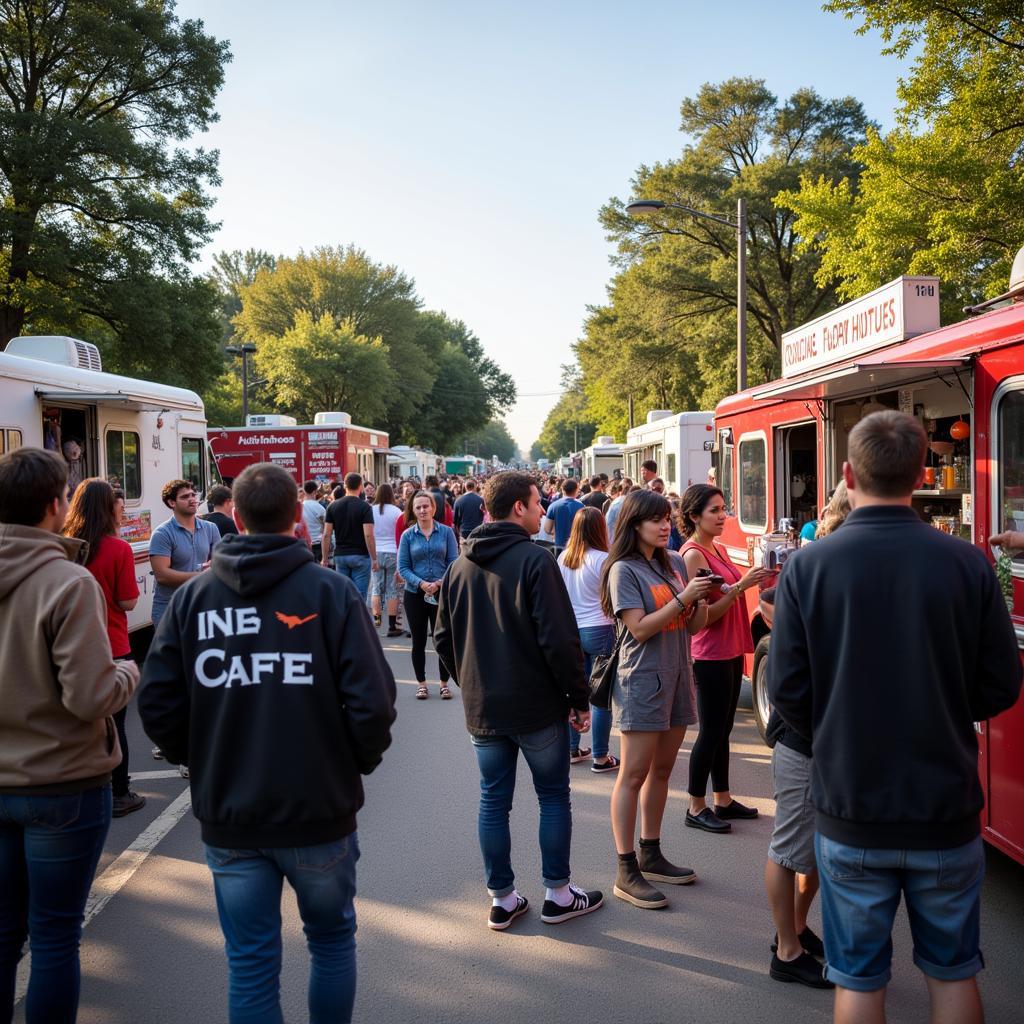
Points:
x=890 y=640
x=507 y=634
x=265 y=677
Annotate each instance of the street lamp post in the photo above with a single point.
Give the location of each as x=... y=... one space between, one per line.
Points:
x=244 y=351
x=642 y=207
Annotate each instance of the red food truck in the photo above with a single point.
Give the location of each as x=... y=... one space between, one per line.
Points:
x=779 y=450
x=323 y=451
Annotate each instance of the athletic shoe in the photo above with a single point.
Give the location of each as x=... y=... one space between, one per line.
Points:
x=158 y=754
x=183 y=771
x=735 y=810
x=611 y=765
x=395 y=632
x=131 y=801
x=810 y=942
x=655 y=867
x=804 y=970
x=501 y=918
x=582 y=903
x=376 y=621
x=708 y=821
x=631 y=886
x=579 y=754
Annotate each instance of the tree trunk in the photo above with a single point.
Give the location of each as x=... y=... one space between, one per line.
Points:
x=12 y=291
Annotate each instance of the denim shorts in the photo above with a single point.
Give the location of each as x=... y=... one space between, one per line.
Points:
x=860 y=893
x=792 y=844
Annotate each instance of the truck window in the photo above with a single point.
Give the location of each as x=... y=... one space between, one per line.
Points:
x=124 y=462
x=723 y=469
x=192 y=456
x=9 y=440
x=1009 y=508
x=670 y=468
x=753 y=456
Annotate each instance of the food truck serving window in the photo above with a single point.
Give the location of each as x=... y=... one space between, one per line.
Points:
x=124 y=462
x=1009 y=417
x=753 y=479
x=192 y=458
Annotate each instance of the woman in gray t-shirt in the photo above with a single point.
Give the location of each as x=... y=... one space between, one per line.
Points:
x=644 y=586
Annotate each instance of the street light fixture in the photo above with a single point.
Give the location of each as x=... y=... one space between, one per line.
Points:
x=244 y=350
x=645 y=207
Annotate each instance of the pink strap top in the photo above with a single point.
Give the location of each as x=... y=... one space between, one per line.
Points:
x=730 y=636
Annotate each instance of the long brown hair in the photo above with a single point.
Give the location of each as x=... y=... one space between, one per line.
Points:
x=589 y=531
x=637 y=507
x=385 y=496
x=695 y=499
x=91 y=516
x=410 y=516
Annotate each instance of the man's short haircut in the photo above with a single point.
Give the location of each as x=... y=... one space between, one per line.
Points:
x=310 y=487
x=650 y=465
x=338 y=493
x=218 y=495
x=595 y=482
x=886 y=451
x=604 y=477
x=171 y=489
x=504 y=490
x=353 y=481
x=471 y=484
x=30 y=479
x=431 y=481
x=570 y=487
x=266 y=498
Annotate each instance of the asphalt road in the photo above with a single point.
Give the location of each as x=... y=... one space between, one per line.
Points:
x=153 y=952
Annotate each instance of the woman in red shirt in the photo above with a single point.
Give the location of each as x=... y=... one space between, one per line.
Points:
x=94 y=517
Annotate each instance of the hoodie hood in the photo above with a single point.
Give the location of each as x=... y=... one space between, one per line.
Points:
x=24 y=549
x=252 y=564
x=492 y=540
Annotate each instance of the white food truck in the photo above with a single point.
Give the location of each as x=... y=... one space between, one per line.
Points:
x=676 y=442
x=603 y=456
x=135 y=434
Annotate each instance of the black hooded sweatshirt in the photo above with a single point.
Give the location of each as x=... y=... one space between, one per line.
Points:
x=266 y=677
x=507 y=634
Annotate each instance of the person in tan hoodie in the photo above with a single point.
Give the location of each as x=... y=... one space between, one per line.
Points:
x=59 y=689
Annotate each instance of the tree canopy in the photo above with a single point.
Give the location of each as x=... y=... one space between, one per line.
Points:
x=943 y=192
x=102 y=207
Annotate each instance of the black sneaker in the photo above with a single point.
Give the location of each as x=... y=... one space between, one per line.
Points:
x=501 y=918
x=631 y=886
x=582 y=903
x=808 y=940
x=131 y=801
x=656 y=868
x=395 y=632
x=735 y=810
x=708 y=821
x=804 y=970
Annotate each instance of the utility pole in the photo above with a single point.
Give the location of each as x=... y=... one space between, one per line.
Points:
x=244 y=351
x=630 y=412
x=741 y=294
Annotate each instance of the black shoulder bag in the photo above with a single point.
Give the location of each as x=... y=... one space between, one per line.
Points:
x=603 y=672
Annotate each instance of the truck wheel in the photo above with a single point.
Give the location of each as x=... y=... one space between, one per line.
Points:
x=762 y=706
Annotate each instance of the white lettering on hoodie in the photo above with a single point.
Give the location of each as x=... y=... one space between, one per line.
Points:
x=292 y=668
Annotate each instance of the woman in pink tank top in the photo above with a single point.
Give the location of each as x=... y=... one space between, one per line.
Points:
x=718 y=651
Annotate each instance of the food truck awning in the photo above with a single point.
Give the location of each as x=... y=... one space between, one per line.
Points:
x=137 y=403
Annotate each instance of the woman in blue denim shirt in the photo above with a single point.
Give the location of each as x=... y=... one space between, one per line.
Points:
x=426 y=550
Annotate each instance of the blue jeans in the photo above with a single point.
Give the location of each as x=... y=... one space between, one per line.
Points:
x=49 y=849
x=547 y=754
x=248 y=887
x=860 y=894
x=357 y=568
x=595 y=640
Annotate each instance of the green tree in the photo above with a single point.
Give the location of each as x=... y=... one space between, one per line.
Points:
x=320 y=365
x=943 y=192
x=567 y=428
x=492 y=439
x=101 y=207
x=231 y=272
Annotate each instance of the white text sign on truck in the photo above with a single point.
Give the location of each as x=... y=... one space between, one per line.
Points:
x=895 y=312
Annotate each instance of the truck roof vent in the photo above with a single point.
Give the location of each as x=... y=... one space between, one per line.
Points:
x=658 y=414
x=53 y=348
x=604 y=439
x=332 y=419
x=273 y=420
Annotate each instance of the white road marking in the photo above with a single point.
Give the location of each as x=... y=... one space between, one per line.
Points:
x=114 y=879
x=163 y=773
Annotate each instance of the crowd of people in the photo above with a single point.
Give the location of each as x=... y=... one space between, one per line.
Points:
x=266 y=682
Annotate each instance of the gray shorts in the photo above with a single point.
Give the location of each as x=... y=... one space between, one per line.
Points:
x=645 y=702
x=382 y=582
x=792 y=844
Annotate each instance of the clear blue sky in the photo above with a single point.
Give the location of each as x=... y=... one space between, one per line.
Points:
x=472 y=142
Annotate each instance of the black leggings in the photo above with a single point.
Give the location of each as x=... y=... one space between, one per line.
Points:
x=419 y=615
x=718 y=692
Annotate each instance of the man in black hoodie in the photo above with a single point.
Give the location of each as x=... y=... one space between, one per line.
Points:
x=890 y=640
x=265 y=677
x=507 y=634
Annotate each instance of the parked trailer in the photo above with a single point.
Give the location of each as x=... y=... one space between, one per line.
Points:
x=136 y=434
x=414 y=462
x=676 y=441
x=780 y=449
x=463 y=465
x=324 y=450
x=603 y=456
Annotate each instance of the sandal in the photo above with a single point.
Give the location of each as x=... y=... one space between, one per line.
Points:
x=421 y=692
x=605 y=766
x=446 y=694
